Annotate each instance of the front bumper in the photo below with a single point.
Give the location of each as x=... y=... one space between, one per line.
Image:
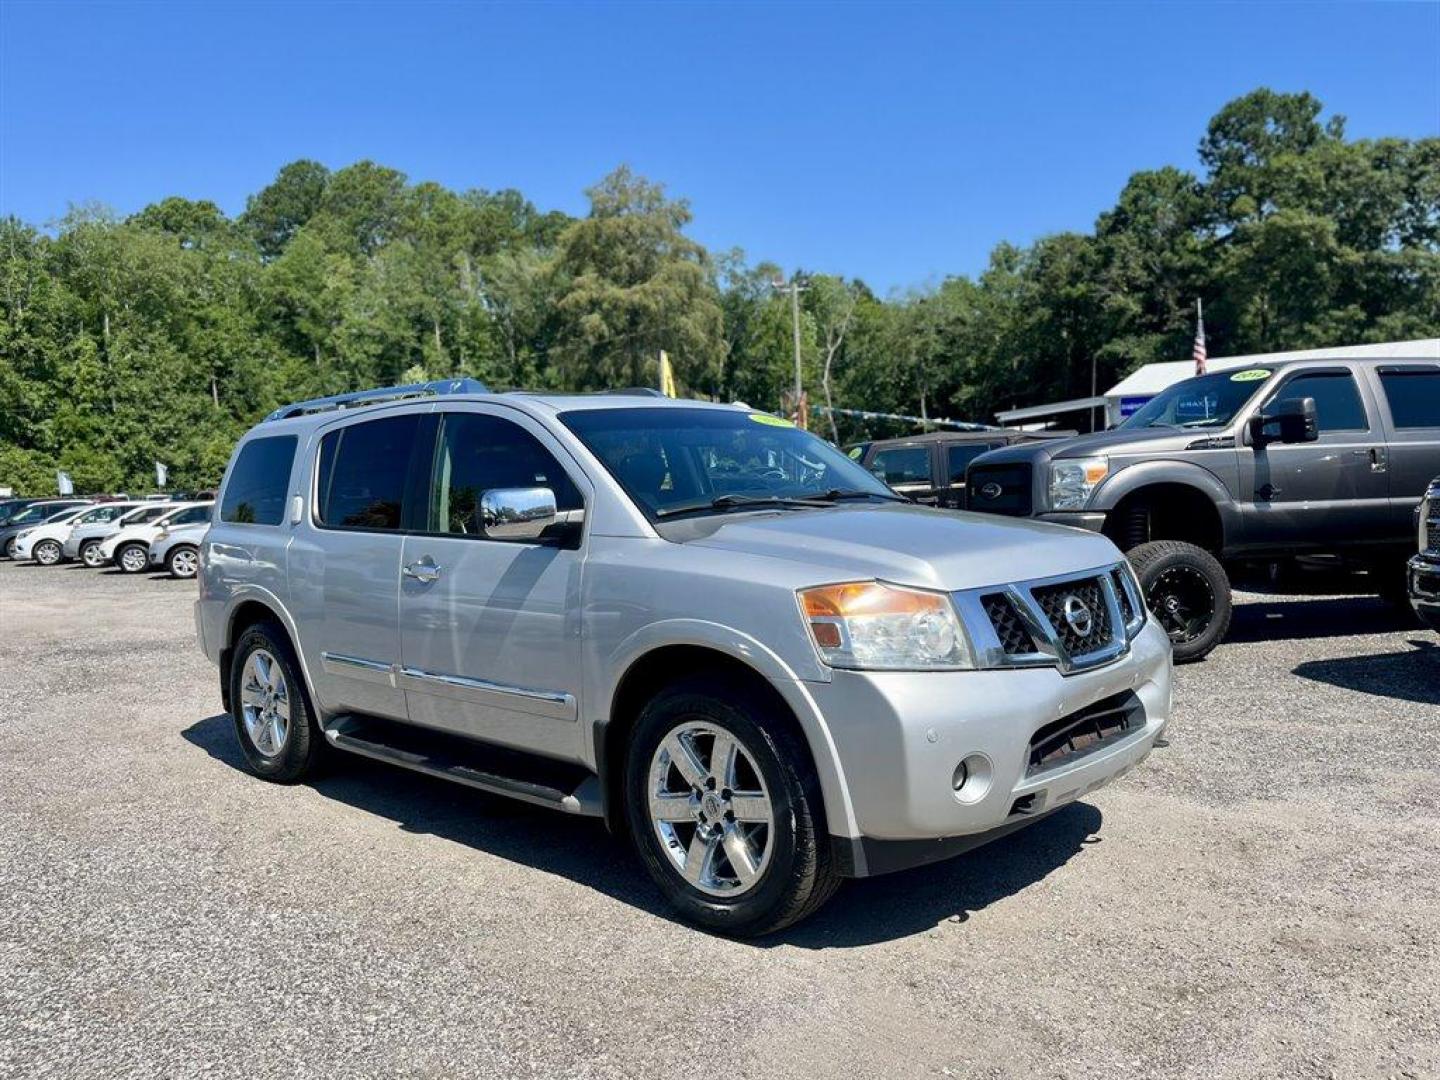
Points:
x=22 y=549
x=899 y=737
x=1423 y=577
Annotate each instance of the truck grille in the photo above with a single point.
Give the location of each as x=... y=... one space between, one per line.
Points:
x=1070 y=623
x=1091 y=615
x=999 y=489
x=1432 y=535
x=1086 y=730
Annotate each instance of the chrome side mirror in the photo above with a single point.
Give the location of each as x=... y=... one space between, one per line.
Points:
x=516 y=513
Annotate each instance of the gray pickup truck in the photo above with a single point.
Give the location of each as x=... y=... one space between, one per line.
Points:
x=1262 y=463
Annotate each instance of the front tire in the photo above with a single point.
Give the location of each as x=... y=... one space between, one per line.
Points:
x=46 y=553
x=133 y=558
x=90 y=554
x=182 y=561
x=10 y=548
x=270 y=707
x=725 y=810
x=1187 y=591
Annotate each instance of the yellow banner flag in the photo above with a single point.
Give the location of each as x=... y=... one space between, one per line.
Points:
x=667 y=376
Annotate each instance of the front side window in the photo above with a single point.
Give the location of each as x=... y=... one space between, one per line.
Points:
x=959 y=456
x=1337 y=400
x=1414 y=396
x=476 y=453
x=902 y=465
x=677 y=460
x=193 y=515
x=362 y=471
x=259 y=479
x=103 y=514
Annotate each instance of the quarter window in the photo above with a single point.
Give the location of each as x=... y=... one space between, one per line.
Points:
x=1337 y=400
x=255 y=491
x=902 y=465
x=476 y=453
x=1414 y=396
x=362 y=473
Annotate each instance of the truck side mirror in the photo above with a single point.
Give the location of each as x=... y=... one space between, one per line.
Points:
x=1289 y=421
x=516 y=513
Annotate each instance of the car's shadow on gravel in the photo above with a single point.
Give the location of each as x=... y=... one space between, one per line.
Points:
x=1411 y=675
x=581 y=849
x=1275 y=619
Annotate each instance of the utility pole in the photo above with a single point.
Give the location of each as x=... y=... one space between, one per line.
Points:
x=794 y=288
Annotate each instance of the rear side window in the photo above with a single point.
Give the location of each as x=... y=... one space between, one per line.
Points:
x=1337 y=400
x=960 y=455
x=1414 y=397
x=255 y=492
x=361 y=482
x=902 y=465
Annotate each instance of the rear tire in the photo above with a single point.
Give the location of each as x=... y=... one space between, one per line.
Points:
x=753 y=860
x=133 y=558
x=1187 y=591
x=46 y=553
x=270 y=707
x=182 y=561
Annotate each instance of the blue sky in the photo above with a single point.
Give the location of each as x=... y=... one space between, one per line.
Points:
x=896 y=142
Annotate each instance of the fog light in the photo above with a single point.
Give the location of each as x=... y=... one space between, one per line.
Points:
x=971 y=779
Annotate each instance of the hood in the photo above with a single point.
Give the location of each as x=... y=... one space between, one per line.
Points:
x=905 y=544
x=1118 y=441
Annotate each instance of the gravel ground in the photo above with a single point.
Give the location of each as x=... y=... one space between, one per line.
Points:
x=1259 y=900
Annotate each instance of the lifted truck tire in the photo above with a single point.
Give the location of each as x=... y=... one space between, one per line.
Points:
x=1188 y=591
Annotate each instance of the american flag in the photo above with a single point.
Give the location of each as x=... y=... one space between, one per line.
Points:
x=1198 y=352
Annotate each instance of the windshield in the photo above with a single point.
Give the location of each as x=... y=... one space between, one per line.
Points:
x=39 y=512
x=680 y=461
x=1206 y=401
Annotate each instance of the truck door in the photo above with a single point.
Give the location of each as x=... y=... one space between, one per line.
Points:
x=1308 y=496
x=1411 y=396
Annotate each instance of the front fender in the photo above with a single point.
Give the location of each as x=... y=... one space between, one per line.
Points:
x=748 y=650
x=1148 y=473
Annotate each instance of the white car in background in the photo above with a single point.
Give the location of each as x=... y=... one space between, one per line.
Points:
x=83 y=543
x=177 y=548
x=46 y=537
x=129 y=549
x=46 y=543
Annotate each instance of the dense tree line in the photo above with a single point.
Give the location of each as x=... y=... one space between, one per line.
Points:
x=164 y=335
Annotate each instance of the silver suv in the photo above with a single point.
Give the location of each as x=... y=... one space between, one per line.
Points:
x=696 y=621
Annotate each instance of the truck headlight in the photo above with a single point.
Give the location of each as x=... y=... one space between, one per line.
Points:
x=869 y=625
x=1072 y=481
x=1420 y=533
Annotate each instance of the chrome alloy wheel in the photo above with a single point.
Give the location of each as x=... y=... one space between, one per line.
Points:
x=265 y=703
x=92 y=556
x=46 y=553
x=134 y=559
x=710 y=809
x=184 y=562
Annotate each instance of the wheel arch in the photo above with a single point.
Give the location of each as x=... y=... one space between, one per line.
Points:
x=1169 y=501
x=243 y=612
x=646 y=670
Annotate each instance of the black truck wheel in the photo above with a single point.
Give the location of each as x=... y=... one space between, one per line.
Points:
x=1187 y=591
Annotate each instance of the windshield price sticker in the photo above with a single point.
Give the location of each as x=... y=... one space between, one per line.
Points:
x=772 y=421
x=1254 y=374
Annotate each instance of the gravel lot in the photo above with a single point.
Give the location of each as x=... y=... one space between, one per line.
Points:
x=1259 y=900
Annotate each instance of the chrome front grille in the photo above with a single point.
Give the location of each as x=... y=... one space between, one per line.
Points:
x=1073 y=622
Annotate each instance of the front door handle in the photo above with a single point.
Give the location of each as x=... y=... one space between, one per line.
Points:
x=422 y=570
x=1379 y=459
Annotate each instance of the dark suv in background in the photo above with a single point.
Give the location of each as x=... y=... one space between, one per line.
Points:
x=930 y=469
x=1264 y=463
x=1424 y=573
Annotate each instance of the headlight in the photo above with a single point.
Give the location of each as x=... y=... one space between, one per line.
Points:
x=1420 y=535
x=1072 y=481
x=22 y=534
x=871 y=625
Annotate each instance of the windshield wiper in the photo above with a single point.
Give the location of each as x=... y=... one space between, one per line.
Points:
x=742 y=502
x=838 y=494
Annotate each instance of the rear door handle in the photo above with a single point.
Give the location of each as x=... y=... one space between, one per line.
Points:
x=423 y=569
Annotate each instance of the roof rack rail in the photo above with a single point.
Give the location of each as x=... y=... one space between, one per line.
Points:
x=379 y=394
x=634 y=391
